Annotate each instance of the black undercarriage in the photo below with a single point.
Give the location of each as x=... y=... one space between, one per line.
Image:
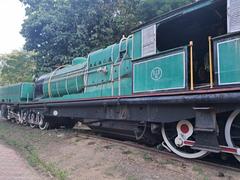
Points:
x=141 y=117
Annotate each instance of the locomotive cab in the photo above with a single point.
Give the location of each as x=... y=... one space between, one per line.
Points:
x=196 y=26
x=201 y=27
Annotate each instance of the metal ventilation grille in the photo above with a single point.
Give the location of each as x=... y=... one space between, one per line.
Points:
x=233 y=16
x=149 y=41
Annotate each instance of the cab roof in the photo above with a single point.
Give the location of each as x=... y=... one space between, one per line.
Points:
x=179 y=12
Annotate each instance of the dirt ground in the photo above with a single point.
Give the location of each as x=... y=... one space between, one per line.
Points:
x=67 y=154
x=12 y=166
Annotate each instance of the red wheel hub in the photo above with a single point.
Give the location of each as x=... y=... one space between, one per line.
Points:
x=184 y=128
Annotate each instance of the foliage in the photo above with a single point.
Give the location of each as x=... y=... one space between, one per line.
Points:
x=154 y=8
x=59 y=30
x=15 y=67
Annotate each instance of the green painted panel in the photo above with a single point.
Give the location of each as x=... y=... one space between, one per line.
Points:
x=137 y=45
x=45 y=89
x=100 y=57
x=27 y=90
x=115 y=52
x=229 y=62
x=162 y=73
x=62 y=87
x=79 y=60
x=17 y=92
x=97 y=76
x=129 y=49
x=54 y=91
x=126 y=86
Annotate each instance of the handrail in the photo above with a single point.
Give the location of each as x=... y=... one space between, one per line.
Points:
x=50 y=78
x=120 y=63
x=210 y=61
x=120 y=47
x=191 y=66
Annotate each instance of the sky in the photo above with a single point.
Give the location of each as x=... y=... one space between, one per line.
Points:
x=12 y=14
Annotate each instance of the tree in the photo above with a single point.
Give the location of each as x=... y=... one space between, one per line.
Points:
x=15 y=67
x=154 y=8
x=61 y=30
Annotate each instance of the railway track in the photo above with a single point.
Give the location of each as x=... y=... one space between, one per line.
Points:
x=212 y=161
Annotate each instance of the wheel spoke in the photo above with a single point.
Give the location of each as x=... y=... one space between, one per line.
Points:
x=236 y=126
x=170 y=133
x=235 y=137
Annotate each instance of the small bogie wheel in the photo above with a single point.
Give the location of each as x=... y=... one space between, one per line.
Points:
x=43 y=124
x=24 y=118
x=32 y=125
x=32 y=120
x=25 y=123
x=183 y=129
x=232 y=131
x=18 y=119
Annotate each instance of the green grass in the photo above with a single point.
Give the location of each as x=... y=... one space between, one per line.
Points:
x=15 y=137
x=131 y=178
x=147 y=157
x=35 y=161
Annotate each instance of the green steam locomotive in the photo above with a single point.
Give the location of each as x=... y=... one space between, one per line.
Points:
x=175 y=80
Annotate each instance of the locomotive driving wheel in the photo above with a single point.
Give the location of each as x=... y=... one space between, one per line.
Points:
x=232 y=131
x=43 y=124
x=174 y=135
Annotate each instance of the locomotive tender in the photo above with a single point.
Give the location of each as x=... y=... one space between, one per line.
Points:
x=175 y=77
